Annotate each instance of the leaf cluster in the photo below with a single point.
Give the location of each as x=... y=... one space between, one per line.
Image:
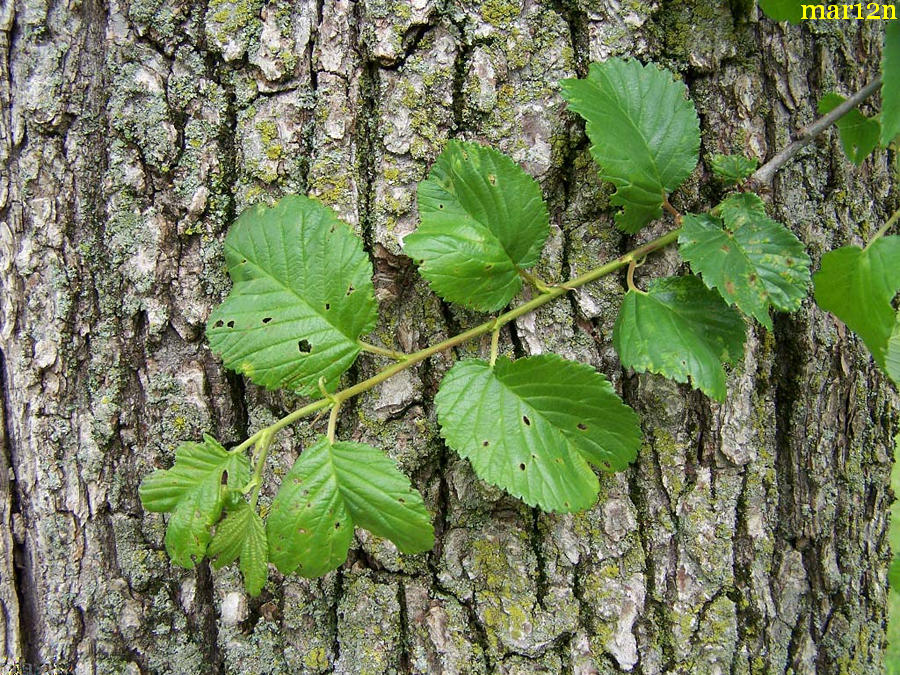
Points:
x=537 y=427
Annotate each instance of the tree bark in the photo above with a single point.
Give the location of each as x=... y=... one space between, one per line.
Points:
x=749 y=537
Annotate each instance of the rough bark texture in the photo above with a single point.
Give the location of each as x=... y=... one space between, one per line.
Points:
x=749 y=537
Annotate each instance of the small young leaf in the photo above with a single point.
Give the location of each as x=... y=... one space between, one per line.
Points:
x=483 y=219
x=892 y=354
x=732 y=169
x=242 y=534
x=302 y=296
x=531 y=426
x=890 y=87
x=752 y=260
x=783 y=10
x=333 y=487
x=859 y=134
x=644 y=132
x=680 y=329
x=192 y=489
x=857 y=286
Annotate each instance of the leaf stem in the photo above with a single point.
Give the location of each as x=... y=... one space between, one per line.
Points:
x=263 y=444
x=332 y=421
x=381 y=351
x=629 y=277
x=885 y=227
x=247 y=443
x=534 y=280
x=494 y=325
x=667 y=205
x=495 y=341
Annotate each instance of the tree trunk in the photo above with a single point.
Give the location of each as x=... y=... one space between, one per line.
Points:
x=749 y=537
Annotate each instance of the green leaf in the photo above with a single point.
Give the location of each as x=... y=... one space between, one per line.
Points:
x=242 y=534
x=645 y=134
x=531 y=426
x=333 y=487
x=859 y=134
x=857 y=286
x=783 y=10
x=192 y=490
x=752 y=260
x=892 y=354
x=302 y=296
x=680 y=329
x=890 y=87
x=894 y=574
x=483 y=219
x=732 y=168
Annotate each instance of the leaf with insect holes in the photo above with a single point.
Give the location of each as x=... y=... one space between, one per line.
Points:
x=192 y=490
x=682 y=330
x=753 y=261
x=333 y=487
x=890 y=83
x=242 y=534
x=483 y=220
x=732 y=169
x=531 y=427
x=644 y=133
x=857 y=286
x=302 y=296
x=858 y=133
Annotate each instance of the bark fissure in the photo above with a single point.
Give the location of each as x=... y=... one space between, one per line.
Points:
x=657 y=600
x=403 y=658
x=536 y=539
x=207 y=623
x=460 y=72
x=518 y=345
x=366 y=135
x=785 y=395
x=334 y=614
x=23 y=617
x=749 y=631
x=579 y=36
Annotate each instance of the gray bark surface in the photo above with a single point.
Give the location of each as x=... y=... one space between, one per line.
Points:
x=749 y=537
